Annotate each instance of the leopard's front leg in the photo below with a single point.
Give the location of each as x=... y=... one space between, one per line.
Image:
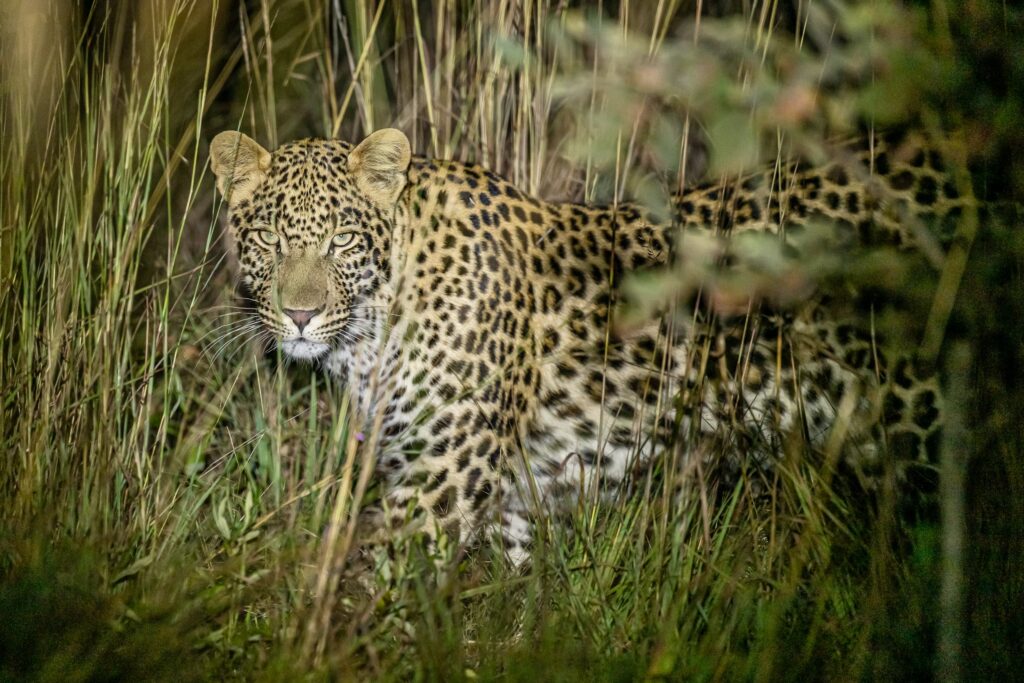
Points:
x=444 y=470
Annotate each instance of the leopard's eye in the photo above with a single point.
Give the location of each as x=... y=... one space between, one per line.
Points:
x=343 y=241
x=268 y=238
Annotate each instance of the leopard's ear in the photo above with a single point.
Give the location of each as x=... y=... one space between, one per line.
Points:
x=379 y=164
x=239 y=163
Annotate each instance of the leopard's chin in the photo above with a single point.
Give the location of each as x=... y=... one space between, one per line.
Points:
x=304 y=349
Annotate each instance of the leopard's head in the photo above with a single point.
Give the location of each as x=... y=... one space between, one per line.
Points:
x=312 y=224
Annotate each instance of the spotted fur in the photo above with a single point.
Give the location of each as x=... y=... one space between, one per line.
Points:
x=473 y=322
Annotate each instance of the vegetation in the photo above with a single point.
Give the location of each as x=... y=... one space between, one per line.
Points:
x=177 y=503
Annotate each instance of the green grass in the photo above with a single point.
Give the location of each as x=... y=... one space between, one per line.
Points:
x=173 y=505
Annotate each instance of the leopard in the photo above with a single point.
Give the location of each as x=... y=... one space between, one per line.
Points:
x=474 y=325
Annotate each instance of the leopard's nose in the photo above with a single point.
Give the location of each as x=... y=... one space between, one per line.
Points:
x=301 y=316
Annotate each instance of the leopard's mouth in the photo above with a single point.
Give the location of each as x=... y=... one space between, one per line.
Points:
x=304 y=349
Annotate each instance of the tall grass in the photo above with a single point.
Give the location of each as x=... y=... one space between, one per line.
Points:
x=178 y=503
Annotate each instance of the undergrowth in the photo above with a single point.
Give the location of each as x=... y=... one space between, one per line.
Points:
x=179 y=503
